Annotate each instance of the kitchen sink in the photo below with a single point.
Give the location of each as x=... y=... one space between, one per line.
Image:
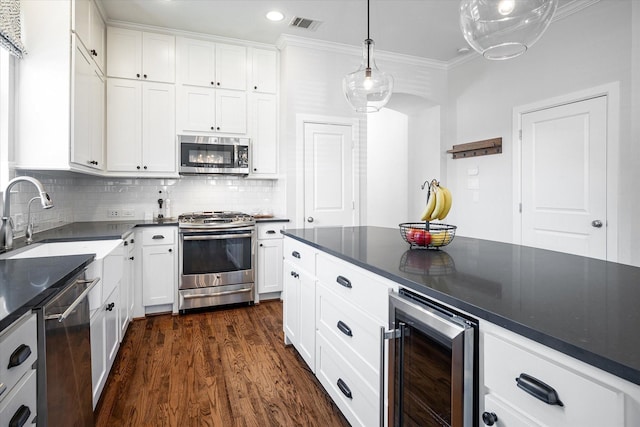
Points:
x=99 y=247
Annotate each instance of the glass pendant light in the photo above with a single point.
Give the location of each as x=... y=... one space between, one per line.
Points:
x=367 y=89
x=503 y=29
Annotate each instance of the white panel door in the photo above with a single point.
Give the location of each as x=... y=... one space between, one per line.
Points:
x=158 y=127
x=231 y=111
x=564 y=178
x=231 y=67
x=124 y=125
x=196 y=109
x=328 y=175
x=158 y=57
x=195 y=62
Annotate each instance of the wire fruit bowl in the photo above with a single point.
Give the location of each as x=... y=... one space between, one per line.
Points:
x=426 y=235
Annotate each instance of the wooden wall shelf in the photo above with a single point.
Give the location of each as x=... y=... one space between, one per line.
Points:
x=478 y=148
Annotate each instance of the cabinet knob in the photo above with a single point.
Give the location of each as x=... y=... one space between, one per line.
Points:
x=138 y=167
x=144 y=167
x=144 y=75
x=170 y=250
x=255 y=87
x=213 y=83
x=255 y=169
x=489 y=418
x=218 y=84
x=138 y=75
x=131 y=258
x=260 y=244
x=93 y=52
x=213 y=128
x=110 y=306
x=218 y=128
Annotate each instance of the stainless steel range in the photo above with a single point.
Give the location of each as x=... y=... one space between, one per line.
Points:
x=217 y=259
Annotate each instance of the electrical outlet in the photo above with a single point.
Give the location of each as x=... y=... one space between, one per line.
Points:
x=113 y=213
x=128 y=212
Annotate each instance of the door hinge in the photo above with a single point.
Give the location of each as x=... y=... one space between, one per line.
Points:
x=520 y=134
x=520 y=207
x=353 y=205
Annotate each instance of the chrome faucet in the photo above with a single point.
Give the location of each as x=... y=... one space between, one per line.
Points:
x=6 y=230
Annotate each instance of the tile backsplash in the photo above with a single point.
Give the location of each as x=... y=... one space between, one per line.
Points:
x=79 y=198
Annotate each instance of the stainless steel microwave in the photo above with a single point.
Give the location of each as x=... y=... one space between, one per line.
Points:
x=213 y=155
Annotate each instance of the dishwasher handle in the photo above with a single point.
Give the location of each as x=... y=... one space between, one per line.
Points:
x=62 y=316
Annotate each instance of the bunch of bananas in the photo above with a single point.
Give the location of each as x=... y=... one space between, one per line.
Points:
x=438 y=202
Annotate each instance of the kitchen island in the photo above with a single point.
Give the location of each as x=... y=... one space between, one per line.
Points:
x=583 y=307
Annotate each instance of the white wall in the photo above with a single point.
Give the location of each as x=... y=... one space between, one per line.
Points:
x=387 y=168
x=584 y=50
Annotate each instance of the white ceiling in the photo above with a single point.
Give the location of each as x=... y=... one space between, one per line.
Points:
x=423 y=28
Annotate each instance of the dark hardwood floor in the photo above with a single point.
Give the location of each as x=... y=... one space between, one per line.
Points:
x=227 y=367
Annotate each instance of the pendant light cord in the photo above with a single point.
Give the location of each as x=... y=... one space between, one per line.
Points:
x=368 y=37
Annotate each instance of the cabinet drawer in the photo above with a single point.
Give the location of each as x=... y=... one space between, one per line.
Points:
x=585 y=401
x=25 y=395
x=158 y=236
x=352 y=332
x=270 y=230
x=302 y=255
x=21 y=342
x=361 y=288
x=507 y=416
x=357 y=400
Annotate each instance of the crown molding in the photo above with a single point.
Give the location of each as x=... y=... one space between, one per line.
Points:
x=287 y=40
x=183 y=33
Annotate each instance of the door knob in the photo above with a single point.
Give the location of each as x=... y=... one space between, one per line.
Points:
x=596 y=223
x=310 y=219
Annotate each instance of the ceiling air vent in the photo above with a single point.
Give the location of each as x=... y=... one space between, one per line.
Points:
x=305 y=23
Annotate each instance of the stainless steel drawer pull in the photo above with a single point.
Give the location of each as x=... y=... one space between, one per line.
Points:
x=344 y=281
x=271 y=232
x=538 y=389
x=158 y=237
x=344 y=388
x=295 y=254
x=21 y=416
x=344 y=328
x=19 y=355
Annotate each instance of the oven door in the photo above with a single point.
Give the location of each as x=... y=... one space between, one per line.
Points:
x=432 y=358
x=216 y=258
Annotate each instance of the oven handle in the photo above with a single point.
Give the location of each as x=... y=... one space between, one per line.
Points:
x=216 y=236
x=216 y=294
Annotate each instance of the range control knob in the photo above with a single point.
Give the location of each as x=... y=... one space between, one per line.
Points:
x=489 y=418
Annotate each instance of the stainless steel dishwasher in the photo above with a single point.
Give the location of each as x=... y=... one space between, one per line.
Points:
x=64 y=357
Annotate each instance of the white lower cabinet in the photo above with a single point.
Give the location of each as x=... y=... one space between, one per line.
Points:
x=589 y=396
x=18 y=394
x=159 y=267
x=269 y=259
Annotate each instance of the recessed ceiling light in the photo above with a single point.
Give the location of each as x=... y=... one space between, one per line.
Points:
x=275 y=16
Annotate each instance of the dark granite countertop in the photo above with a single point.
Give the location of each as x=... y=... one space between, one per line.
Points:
x=28 y=282
x=99 y=230
x=583 y=307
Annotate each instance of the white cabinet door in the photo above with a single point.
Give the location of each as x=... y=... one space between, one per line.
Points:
x=307 y=335
x=264 y=118
x=97 y=119
x=269 y=266
x=231 y=67
x=158 y=57
x=123 y=309
x=158 y=127
x=291 y=298
x=112 y=328
x=196 y=109
x=231 y=111
x=81 y=119
x=159 y=275
x=97 y=37
x=124 y=125
x=124 y=53
x=195 y=61
x=82 y=21
x=264 y=71
x=98 y=354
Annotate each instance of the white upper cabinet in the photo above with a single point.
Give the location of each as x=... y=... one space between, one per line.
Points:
x=140 y=55
x=89 y=27
x=264 y=71
x=264 y=135
x=207 y=64
x=211 y=110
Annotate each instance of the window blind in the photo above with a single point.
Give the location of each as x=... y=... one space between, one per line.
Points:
x=10 y=27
